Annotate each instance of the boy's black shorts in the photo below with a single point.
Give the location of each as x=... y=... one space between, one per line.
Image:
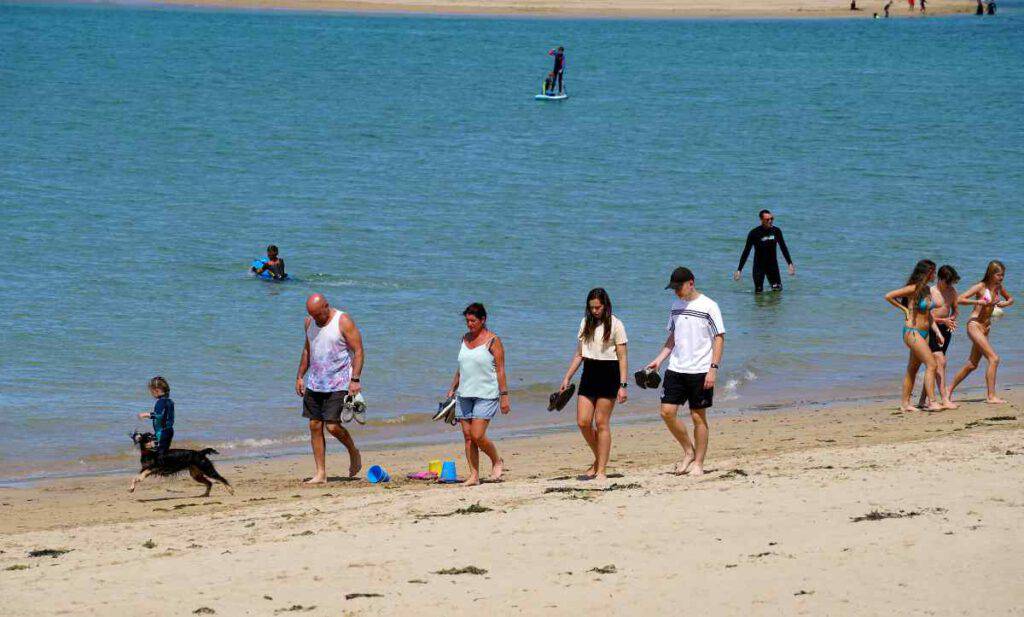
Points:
x=686 y=388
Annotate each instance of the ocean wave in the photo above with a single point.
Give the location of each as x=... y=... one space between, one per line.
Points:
x=251 y=442
x=331 y=280
x=733 y=384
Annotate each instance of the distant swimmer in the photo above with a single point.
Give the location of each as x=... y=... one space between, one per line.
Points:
x=886 y=8
x=273 y=265
x=559 y=68
x=991 y=7
x=763 y=239
x=980 y=10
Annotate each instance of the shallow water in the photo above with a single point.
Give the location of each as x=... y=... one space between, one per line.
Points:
x=403 y=167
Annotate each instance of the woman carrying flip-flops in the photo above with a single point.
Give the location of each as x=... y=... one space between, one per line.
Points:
x=601 y=349
x=482 y=387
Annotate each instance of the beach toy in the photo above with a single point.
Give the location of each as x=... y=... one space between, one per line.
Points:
x=434 y=467
x=448 y=474
x=259 y=263
x=377 y=474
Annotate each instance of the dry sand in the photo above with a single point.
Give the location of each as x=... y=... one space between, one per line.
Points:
x=770 y=530
x=602 y=8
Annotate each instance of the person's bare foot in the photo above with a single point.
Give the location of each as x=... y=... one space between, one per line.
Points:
x=591 y=471
x=600 y=476
x=907 y=408
x=695 y=470
x=355 y=464
x=933 y=407
x=950 y=405
x=497 y=470
x=471 y=481
x=994 y=400
x=316 y=480
x=684 y=465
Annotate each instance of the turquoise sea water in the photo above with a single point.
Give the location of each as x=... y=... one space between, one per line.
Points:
x=147 y=155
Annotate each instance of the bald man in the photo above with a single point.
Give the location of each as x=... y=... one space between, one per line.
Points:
x=332 y=360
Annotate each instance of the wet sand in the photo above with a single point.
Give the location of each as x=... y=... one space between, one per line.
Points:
x=850 y=509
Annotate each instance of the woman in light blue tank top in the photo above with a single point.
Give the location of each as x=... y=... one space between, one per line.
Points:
x=482 y=387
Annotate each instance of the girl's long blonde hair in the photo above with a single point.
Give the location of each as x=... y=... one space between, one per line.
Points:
x=993 y=266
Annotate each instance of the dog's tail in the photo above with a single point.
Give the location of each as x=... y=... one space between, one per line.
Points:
x=208 y=451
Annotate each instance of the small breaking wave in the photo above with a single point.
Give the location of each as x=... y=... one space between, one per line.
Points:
x=733 y=384
x=330 y=280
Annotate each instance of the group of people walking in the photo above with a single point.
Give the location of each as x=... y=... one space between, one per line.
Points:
x=331 y=363
x=932 y=316
x=332 y=360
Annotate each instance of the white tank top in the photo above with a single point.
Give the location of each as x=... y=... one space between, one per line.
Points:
x=330 y=365
x=478 y=376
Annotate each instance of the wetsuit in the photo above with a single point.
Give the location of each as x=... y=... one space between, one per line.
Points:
x=763 y=241
x=163 y=423
x=559 y=67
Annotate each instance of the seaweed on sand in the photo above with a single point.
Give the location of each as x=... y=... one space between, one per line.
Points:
x=878 y=515
x=473 y=509
x=466 y=570
x=573 y=489
x=49 y=552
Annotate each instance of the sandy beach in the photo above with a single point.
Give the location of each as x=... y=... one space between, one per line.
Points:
x=600 y=8
x=846 y=509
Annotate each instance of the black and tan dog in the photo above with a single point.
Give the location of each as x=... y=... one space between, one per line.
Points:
x=175 y=461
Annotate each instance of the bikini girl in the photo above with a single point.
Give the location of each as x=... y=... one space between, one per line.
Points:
x=985 y=298
x=916 y=300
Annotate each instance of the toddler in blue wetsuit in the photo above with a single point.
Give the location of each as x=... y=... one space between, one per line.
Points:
x=162 y=414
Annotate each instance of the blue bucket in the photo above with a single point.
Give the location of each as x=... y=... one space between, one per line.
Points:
x=448 y=474
x=377 y=474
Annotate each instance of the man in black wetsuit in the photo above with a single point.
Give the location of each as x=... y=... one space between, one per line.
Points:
x=763 y=240
x=559 y=55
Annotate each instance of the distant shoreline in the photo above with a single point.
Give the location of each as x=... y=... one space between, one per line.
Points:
x=585 y=9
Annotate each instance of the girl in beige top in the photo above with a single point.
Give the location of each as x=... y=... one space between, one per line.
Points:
x=601 y=349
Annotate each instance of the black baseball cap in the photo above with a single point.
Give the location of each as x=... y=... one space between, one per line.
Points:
x=679 y=276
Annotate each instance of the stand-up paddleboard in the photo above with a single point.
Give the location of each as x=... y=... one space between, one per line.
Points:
x=550 y=97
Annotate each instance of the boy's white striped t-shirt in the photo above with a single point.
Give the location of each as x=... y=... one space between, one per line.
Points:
x=694 y=324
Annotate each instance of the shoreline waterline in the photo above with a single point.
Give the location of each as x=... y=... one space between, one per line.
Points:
x=399 y=442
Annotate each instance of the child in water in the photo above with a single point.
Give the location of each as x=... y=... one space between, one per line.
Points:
x=273 y=264
x=162 y=414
